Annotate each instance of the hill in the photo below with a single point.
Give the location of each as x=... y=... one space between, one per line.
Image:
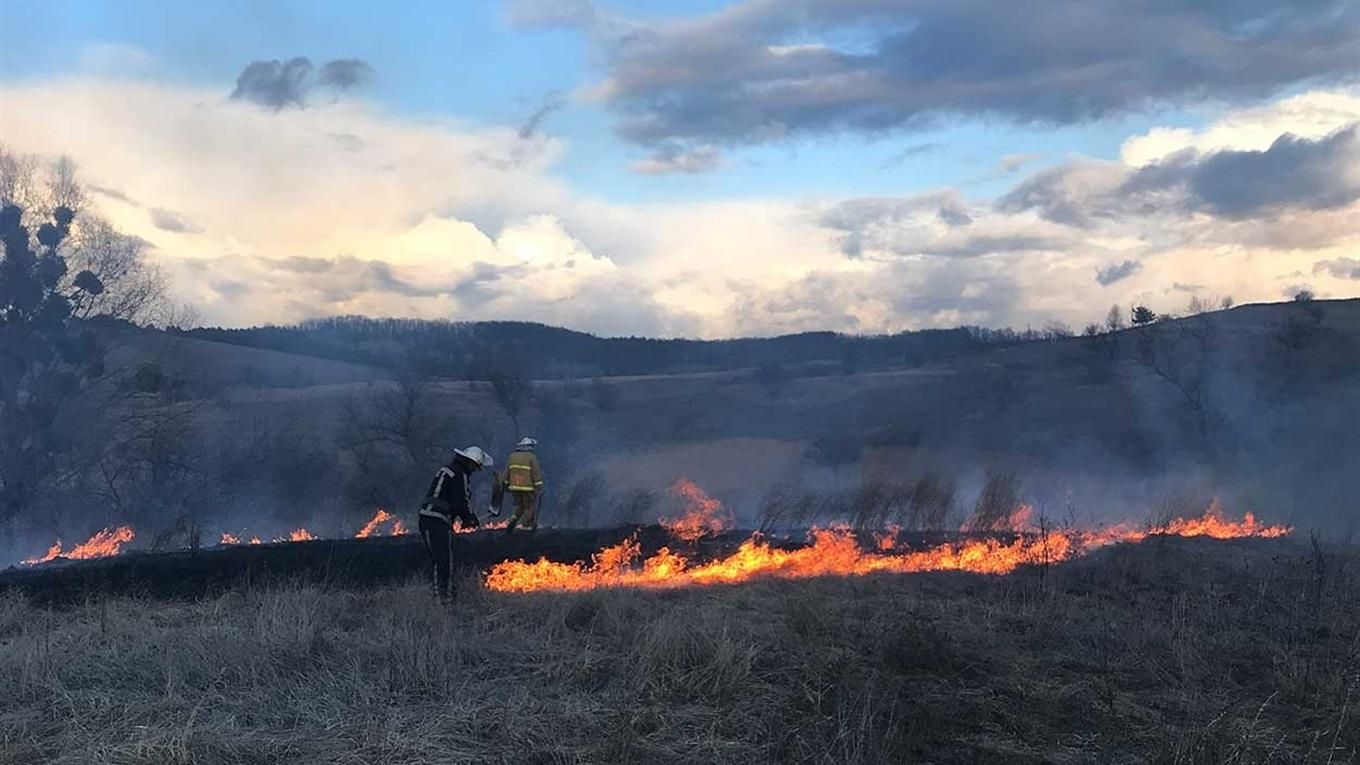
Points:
x=1258 y=405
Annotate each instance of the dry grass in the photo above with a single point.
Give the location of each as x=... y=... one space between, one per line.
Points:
x=1171 y=651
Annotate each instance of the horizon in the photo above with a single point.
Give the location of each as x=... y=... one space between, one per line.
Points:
x=860 y=169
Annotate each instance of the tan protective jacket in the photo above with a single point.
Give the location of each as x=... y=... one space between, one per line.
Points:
x=522 y=472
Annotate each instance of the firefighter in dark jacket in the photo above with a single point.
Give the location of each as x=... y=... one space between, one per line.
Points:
x=449 y=499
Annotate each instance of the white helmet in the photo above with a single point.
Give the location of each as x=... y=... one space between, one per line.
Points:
x=475 y=454
x=527 y=443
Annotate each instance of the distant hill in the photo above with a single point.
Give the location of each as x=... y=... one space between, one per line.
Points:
x=473 y=350
x=1258 y=406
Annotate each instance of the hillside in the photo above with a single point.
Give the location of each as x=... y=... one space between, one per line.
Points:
x=1257 y=405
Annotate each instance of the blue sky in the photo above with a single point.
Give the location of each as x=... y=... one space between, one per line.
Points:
x=815 y=141
x=468 y=61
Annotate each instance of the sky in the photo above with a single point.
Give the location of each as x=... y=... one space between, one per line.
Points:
x=706 y=169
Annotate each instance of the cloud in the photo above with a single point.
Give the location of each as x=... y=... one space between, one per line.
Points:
x=167 y=220
x=766 y=70
x=913 y=150
x=1291 y=174
x=1012 y=162
x=938 y=224
x=344 y=74
x=673 y=159
x=111 y=193
x=1294 y=172
x=278 y=84
x=552 y=102
x=1340 y=268
x=437 y=219
x=1117 y=272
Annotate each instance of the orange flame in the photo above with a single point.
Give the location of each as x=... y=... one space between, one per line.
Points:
x=837 y=552
x=104 y=543
x=229 y=538
x=489 y=526
x=703 y=516
x=376 y=522
x=298 y=535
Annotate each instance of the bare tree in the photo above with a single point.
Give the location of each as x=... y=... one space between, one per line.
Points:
x=513 y=391
x=1180 y=353
x=395 y=434
x=54 y=384
x=1114 y=320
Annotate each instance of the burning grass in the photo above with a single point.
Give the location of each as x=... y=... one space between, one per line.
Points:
x=837 y=552
x=1175 y=650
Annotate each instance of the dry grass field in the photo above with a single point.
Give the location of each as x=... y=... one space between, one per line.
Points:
x=1169 y=651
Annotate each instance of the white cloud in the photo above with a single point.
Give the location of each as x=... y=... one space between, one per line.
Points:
x=1310 y=115
x=340 y=208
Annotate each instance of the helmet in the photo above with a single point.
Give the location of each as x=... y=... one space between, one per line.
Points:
x=527 y=443
x=476 y=455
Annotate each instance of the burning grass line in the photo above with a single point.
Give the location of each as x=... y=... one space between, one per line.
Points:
x=836 y=552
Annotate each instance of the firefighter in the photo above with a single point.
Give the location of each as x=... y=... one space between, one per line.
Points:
x=449 y=499
x=524 y=480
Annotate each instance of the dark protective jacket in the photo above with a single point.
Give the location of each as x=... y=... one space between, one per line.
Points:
x=522 y=472
x=450 y=496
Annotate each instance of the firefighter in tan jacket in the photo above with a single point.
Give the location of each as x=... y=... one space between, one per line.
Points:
x=524 y=480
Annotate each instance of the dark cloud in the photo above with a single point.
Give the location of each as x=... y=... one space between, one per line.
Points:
x=915 y=150
x=1187 y=287
x=1341 y=268
x=872 y=223
x=104 y=191
x=1117 y=272
x=484 y=284
x=279 y=84
x=1292 y=174
x=168 y=220
x=763 y=70
x=673 y=159
x=551 y=103
x=344 y=74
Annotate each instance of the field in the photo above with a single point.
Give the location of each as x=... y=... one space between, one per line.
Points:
x=1174 y=650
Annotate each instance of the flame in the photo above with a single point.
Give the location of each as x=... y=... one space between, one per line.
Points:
x=489 y=526
x=52 y=553
x=703 y=516
x=1214 y=524
x=255 y=540
x=104 y=543
x=886 y=540
x=376 y=522
x=836 y=551
x=298 y=535
x=229 y=539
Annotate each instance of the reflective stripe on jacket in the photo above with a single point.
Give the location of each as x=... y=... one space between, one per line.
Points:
x=522 y=472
